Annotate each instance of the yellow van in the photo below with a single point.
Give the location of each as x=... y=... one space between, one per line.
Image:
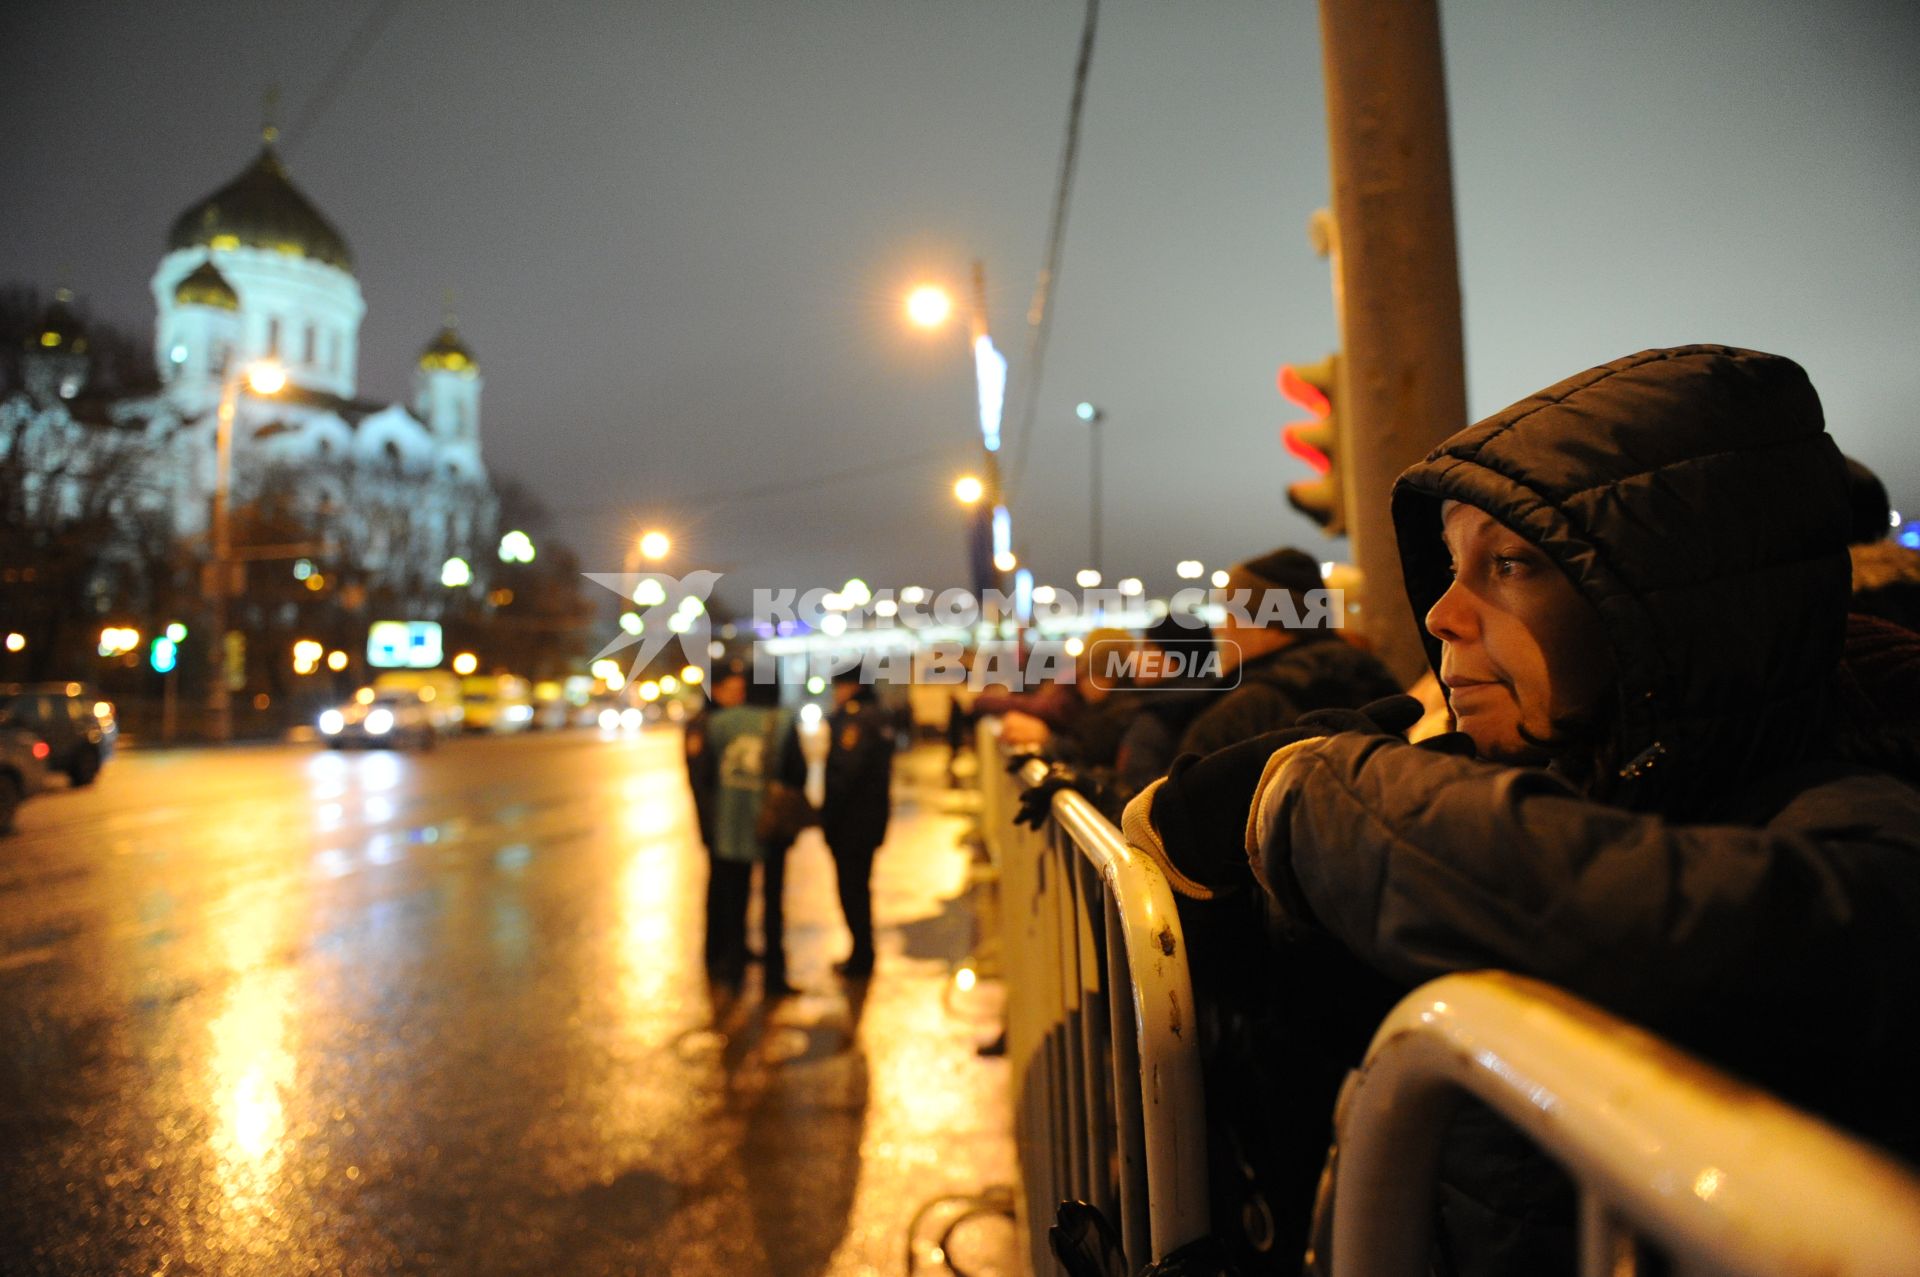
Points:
x=497 y=702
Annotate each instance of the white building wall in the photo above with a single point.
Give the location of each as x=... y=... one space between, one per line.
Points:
x=275 y=285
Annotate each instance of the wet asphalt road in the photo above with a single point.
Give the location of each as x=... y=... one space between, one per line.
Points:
x=276 y=1009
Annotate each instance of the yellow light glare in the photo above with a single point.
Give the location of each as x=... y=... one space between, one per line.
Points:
x=669 y=684
x=654 y=546
x=465 y=664
x=929 y=305
x=364 y=696
x=968 y=489
x=649 y=691
x=964 y=979
x=336 y=660
x=16 y=641
x=692 y=676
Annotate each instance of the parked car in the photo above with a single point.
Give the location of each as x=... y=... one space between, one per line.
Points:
x=393 y=718
x=23 y=770
x=77 y=725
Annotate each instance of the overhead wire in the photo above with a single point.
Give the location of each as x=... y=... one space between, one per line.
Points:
x=1040 y=312
x=357 y=47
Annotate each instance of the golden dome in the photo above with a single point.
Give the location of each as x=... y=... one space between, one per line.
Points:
x=206 y=286
x=449 y=353
x=262 y=208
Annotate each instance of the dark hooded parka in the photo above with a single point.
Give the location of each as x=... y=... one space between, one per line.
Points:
x=1719 y=875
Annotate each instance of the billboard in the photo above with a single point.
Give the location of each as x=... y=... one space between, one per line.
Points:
x=403 y=645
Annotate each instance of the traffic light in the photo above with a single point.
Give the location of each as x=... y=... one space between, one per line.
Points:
x=1316 y=440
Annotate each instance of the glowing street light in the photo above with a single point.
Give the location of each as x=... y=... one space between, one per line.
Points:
x=16 y=641
x=968 y=489
x=516 y=547
x=654 y=546
x=266 y=377
x=455 y=573
x=1087 y=578
x=929 y=305
x=465 y=664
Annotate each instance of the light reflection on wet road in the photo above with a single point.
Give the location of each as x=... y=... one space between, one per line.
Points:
x=282 y=1010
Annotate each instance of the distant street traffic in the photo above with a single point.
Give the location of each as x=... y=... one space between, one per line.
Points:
x=280 y=1009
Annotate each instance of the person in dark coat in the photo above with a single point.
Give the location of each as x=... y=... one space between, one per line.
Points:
x=1886 y=572
x=1166 y=705
x=751 y=744
x=855 y=805
x=1283 y=670
x=1634 y=587
x=726 y=689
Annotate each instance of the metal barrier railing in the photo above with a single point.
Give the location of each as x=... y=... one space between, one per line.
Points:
x=1720 y=1177
x=1100 y=1023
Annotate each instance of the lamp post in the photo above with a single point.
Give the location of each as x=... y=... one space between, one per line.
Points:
x=1093 y=417
x=990 y=529
x=264 y=377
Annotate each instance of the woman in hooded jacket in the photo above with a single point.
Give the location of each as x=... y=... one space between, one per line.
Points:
x=1634 y=589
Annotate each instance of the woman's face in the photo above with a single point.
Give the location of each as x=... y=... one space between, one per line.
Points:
x=1520 y=648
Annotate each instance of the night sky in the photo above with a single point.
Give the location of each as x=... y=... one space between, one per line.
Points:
x=679 y=234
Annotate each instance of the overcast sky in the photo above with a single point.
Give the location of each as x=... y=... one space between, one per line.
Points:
x=679 y=233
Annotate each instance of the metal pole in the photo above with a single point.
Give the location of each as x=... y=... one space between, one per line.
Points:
x=219 y=697
x=993 y=500
x=1403 y=380
x=1094 y=427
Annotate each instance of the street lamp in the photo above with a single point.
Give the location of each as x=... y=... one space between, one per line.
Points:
x=654 y=546
x=968 y=489
x=1093 y=417
x=264 y=377
x=929 y=305
x=990 y=540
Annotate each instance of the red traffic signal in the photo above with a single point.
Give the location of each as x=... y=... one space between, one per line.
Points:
x=1316 y=441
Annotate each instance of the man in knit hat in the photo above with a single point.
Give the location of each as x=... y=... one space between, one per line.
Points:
x=1288 y=657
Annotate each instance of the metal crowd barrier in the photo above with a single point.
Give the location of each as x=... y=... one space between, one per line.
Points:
x=1100 y=1024
x=1719 y=1177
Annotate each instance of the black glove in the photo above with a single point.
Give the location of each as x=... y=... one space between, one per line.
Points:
x=1388 y=716
x=1085 y=1243
x=1036 y=801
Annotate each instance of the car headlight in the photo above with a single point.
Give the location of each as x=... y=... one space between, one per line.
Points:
x=332 y=721
x=379 y=722
x=609 y=719
x=631 y=719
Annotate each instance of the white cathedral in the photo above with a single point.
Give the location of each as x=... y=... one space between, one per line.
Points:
x=254 y=271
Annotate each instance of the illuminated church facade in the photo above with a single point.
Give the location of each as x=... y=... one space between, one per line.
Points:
x=255 y=272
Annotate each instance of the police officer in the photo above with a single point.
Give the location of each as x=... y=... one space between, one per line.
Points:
x=855 y=806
